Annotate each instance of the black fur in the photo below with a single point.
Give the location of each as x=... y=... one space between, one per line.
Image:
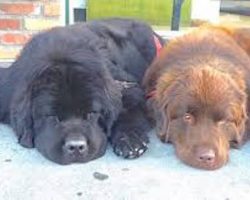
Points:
x=80 y=81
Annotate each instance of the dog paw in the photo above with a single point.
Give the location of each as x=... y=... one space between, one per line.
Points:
x=130 y=145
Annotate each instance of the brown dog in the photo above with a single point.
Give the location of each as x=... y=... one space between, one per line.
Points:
x=199 y=90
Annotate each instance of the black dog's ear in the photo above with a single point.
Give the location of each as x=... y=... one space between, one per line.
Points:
x=115 y=33
x=105 y=28
x=20 y=117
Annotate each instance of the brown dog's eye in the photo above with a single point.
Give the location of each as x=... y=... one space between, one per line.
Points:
x=188 y=118
x=221 y=122
x=230 y=121
x=234 y=144
x=226 y=122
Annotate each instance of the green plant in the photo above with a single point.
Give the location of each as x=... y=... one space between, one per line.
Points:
x=155 y=12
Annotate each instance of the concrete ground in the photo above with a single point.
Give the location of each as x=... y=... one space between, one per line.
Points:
x=157 y=175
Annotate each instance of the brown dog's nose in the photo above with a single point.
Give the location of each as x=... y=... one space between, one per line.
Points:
x=205 y=155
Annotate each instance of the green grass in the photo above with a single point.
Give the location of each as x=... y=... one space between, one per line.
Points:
x=155 y=12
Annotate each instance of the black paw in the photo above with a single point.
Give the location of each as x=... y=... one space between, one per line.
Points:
x=130 y=145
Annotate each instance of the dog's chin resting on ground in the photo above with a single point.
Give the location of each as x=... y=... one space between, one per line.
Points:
x=199 y=88
x=74 y=89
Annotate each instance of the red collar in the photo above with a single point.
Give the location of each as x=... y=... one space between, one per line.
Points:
x=151 y=94
x=158 y=45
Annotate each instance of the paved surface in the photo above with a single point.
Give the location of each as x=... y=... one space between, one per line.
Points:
x=157 y=175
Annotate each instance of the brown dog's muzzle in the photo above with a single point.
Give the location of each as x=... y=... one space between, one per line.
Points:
x=203 y=157
x=202 y=148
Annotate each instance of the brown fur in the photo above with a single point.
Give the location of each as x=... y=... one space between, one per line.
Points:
x=204 y=74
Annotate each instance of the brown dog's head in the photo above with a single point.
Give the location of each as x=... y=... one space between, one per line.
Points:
x=202 y=111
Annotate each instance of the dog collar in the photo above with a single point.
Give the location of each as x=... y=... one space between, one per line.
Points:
x=151 y=94
x=127 y=84
x=158 y=45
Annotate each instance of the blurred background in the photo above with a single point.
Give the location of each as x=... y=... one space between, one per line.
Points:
x=20 y=19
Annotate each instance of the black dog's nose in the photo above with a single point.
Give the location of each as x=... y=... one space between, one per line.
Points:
x=76 y=145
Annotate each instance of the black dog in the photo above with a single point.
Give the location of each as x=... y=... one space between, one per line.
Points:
x=75 y=88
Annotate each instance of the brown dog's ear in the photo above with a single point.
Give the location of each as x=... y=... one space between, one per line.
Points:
x=241 y=137
x=162 y=122
x=239 y=111
x=164 y=91
x=242 y=124
x=165 y=83
x=160 y=119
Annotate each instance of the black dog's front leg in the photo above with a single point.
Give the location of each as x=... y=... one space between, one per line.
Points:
x=129 y=137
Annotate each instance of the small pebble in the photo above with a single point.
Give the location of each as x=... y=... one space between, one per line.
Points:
x=125 y=169
x=79 y=194
x=100 y=176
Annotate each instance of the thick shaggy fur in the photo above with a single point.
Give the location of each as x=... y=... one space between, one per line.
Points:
x=80 y=84
x=201 y=94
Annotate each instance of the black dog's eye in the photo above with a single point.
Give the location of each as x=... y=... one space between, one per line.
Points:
x=101 y=123
x=96 y=107
x=96 y=113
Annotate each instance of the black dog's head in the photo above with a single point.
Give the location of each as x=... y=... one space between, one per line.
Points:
x=72 y=124
x=73 y=140
x=79 y=132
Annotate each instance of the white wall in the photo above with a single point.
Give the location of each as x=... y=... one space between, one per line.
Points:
x=72 y=4
x=207 y=10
